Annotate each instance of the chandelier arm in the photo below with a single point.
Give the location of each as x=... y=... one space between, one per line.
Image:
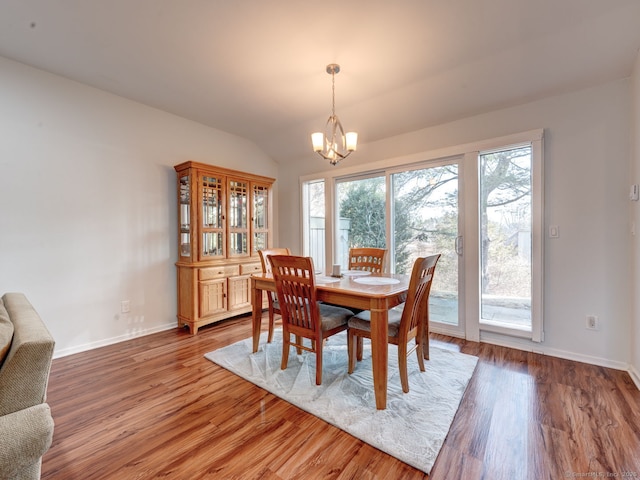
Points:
x=334 y=161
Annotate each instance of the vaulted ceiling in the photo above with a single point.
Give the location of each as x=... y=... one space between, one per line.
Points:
x=256 y=68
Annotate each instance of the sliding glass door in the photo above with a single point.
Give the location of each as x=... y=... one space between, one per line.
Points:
x=425 y=221
x=481 y=209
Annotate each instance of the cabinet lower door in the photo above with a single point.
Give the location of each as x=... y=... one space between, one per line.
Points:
x=213 y=297
x=239 y=292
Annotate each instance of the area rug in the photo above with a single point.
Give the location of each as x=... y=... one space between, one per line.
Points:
x=414 y=425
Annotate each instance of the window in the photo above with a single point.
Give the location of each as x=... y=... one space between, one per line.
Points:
x=505 y=237
x=361 y=220
x=313 y=203
x=479 y=205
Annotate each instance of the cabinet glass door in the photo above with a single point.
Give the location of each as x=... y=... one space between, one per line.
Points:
x=212 y=218
x=238 y=218
x=260 y=218
x=185 y=215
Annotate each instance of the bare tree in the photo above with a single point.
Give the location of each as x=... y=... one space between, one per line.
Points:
x=504 y=180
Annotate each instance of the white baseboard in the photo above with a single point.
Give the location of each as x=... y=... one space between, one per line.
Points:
x=528 y=346
x=110 y=341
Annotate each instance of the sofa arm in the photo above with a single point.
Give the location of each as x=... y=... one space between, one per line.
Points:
x=26 y=436
x=24 y=374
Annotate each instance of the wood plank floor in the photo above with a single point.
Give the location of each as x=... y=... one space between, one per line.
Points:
x=154 y=407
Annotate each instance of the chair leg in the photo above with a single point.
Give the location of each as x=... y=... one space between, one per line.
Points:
x=286 y=343
x=351 y=351
x=402 y=364
x=420 y=354
x=424 y=337
x=271 y=325
x=360 y=348
x=425 y=346
x=318 y=361
x=298 y=342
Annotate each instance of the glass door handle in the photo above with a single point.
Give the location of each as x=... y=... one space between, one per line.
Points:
x=459 y=245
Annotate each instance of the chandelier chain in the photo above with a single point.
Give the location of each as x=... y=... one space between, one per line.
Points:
x=333 y=94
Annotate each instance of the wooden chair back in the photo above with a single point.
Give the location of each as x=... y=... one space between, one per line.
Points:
x=415 y=315
x=266 y=266
x=296 y=290
x=368 y=259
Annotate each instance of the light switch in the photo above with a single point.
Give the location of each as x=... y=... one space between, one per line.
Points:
x=554 y=231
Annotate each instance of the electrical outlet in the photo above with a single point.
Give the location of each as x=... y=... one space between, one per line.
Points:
x=125 y=306
x=592 y=322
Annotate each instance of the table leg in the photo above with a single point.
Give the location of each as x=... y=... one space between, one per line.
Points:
x=256 y=316
x=379 y=354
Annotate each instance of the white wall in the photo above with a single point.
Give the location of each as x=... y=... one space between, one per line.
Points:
x=635 y=219
x=587 y=151
x=87 y=204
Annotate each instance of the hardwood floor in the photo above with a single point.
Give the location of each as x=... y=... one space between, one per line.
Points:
x=154 y=407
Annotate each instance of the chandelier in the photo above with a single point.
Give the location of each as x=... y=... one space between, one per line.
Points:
x=333 y=144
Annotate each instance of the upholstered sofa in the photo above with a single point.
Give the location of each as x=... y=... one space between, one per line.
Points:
x=26 y=425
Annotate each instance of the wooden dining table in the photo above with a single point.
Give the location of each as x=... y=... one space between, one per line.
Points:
x=348 y=292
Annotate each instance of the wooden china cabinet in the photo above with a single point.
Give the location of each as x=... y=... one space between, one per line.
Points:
x=224 y=219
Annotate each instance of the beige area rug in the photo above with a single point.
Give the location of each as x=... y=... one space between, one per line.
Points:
x=414 y=425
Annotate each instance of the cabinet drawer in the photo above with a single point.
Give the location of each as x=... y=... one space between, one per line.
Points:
x=248 y=268
x=210 y=273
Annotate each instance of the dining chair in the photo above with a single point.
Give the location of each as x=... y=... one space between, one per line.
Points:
x=302 y=315
x=368 y=259
x=274 y=306
x=407 y=321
